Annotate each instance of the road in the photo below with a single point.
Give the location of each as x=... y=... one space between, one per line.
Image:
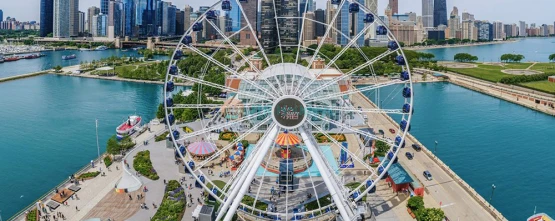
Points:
x=454 y=200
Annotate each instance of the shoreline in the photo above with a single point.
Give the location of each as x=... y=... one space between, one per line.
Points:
x=419 y=48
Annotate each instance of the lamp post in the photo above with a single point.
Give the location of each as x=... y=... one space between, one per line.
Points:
x=435 y=149
x=492 y=190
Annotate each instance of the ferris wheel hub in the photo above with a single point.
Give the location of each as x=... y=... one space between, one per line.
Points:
x=289 y=111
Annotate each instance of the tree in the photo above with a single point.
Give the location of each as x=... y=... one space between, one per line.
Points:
x=112 y=146
x=512 y=57
x=430 y=214
x=415 y=203
x=552 y=57
x=58 y=68
x=465 y=57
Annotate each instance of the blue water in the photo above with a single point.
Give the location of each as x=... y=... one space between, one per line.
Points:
x=312 y=170
x=47 y=129
x=534 y=49
x=487 y=141
x=54 y=58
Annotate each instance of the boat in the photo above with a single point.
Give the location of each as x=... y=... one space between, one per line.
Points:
x=12 y=58
x=1 y=59
x=84 y=49
x=101 y=48
x=31 y=56
x=69 y=57
x=129 y=126
x=539 y=217
x=392 y=130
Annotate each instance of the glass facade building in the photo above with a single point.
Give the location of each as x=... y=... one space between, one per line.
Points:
x=350 y=24
x=128 y=17
x=234 y=16
x=440 y=13
x=46 y=17
x=104 y=6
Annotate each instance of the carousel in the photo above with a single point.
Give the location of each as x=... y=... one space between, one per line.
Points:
x=236 y=158
x=287 y=148
x=201 y=150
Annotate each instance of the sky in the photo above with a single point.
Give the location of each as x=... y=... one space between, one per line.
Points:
x=507 y=11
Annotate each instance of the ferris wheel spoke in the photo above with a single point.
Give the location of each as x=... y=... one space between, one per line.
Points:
x=353 y=155
x=232 y=143
x=354 y=110
x=277 y=29
x=354 y=90
x=253 y=33
x=221 y=126
x=225 y=67
x=222 y=87
x=302 y=33
x=348 y=74
x=345 y=48
x=325 y=35
x=261 y=180
x=349 y=128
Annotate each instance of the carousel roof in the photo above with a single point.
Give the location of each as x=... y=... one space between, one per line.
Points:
x=287 y=139
x=201 y=148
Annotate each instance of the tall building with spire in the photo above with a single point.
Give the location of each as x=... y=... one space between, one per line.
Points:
x=454 y=24
x=330 y=13
x=440 y=12
x=428 y=13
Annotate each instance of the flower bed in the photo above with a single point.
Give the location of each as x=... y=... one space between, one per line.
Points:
x=107 y=161
x=172 y=207
x=227 y=135
x=321 y=138
x=32 y=215
x=89 y=175
x=161 y=137
x=143 y=165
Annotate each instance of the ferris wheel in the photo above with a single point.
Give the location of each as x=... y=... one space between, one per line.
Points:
x=288 y=134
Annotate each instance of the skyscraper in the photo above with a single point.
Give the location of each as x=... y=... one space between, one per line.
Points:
x=350 y=24
x=288 y=28
x=81 y=20
x=115 y=10
x=330 y=13
x=99 y=25
x=234 y=16
x=187 y=11
x=179 y=20
x=168 y=19
x=268 y=26
x=320 y=29
x=104 y=6
x=128 y=17
x=46 y=17
x=498 y=33
x=92 y=11
x=308 y=29
x=372 y=5
x=394 y=4
x=61 y=19
x=73 y=18
x=522 y=29
x=250 y=9
x=1 y=15
x=454 y=24
x=428 y=13
x=145 y=17
x=440 y=12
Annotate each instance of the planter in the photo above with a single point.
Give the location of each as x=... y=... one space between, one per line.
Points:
x=411 y=213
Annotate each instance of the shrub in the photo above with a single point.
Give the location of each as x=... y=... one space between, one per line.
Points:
x=430 y=214
x=248 y=200
x=524 y=78
x=113 y=146
x=172 y=207
x=227 y=135
x=415 y=203
x=107 y=161
x=32 y=215
x=89 y=175
x=161 y=136
x=322 y=138
x=381 y=148
x=143 y=165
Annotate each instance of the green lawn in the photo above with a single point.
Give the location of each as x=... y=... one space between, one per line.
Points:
x=545 y=86
x=483 y=71
x=517 y=65
x=544 y=67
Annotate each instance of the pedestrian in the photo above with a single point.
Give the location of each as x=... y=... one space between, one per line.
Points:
x=77 y=209
x=117 y=168
x=138 y=197
x=130 y=198
x=164 y=181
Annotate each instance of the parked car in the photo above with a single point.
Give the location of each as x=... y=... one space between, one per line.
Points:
x=409 y=155
x=416 y=147
x=428 y=175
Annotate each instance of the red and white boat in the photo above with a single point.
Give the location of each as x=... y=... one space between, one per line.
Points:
x=128 y=127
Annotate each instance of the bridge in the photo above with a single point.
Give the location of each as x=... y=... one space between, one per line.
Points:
x=150 y=42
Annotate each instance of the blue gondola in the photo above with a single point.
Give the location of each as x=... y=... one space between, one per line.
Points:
x=406 y=108
x=398 y=142
x=211 y=15
x=192 y=165
x=369 y=18
x=390 y=157
x=381 y=30
x=226 y=5
x=392 y=45
x=400 y=60
x=404 y=125
x=356 y=194
x=354 y=8
x=394 y=148
x=175 y=134
x=368 y=184
x=173 y=70
x=170 y=86
x=201 y=178
x=171 y=119
x=404 y=76
x=197 y=27
x=335 y=2
x=187 y=40
x=406 y=92
x=381 y=170
x=169 y=102
x=182 y=149
x=210 y=197
x=178 y=54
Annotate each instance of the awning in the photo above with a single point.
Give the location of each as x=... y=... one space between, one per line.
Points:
x=287 y=139
x=201 y=148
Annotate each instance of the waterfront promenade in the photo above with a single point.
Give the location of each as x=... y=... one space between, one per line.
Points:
x=451 y=193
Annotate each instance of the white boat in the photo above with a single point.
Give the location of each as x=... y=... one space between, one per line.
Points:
x=101 y=48
x=129 y=126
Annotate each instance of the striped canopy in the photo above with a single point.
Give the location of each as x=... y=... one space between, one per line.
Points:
x=240 y=148
x=287 y=139
x=201 y=148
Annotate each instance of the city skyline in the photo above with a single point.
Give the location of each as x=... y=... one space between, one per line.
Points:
x=483 y=10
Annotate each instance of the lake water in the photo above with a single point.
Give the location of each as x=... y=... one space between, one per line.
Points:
x=54 y=58
x=534 y=49
x=487 y=141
